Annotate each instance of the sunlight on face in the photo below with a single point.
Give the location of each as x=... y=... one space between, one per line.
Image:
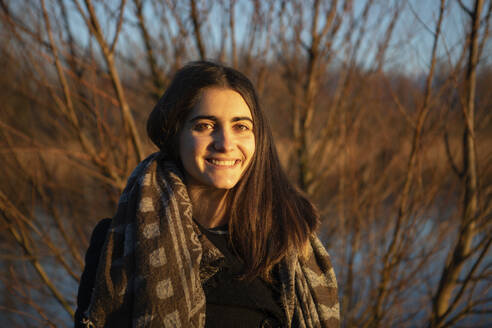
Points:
x=217 y=142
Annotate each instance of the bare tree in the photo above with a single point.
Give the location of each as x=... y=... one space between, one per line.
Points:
x=446 y=304
x=108 y=49
x=156 y=73
x=392 y=256
x=197 y=19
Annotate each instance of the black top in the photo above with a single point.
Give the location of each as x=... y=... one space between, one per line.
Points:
x=230 y=302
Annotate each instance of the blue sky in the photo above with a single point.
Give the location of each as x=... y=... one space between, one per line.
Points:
x=409 y=50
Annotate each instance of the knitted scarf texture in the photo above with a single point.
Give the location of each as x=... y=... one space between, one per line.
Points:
x=155 y=260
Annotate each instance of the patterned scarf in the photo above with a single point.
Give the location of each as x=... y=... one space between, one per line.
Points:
x=155 y=260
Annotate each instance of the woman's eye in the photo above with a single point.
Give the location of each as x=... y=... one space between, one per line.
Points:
x=242 y=127
x=203 y=126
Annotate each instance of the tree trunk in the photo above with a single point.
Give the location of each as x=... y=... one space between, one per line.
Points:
x=456 y=259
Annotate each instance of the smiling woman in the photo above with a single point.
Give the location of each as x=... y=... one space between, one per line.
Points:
x=209 y=232
x=217 y=142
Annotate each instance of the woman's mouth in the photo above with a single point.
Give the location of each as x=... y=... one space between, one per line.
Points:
x=226 y=163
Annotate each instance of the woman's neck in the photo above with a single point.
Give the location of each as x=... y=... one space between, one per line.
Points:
x=209 y=205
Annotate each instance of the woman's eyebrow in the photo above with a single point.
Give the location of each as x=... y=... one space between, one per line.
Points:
x=214 y=118
x=241 y=118
x=203 y=117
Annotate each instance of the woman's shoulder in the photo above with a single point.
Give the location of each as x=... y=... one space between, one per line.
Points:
x=100 y=230
x=102 y=226
x=88 y=276
x=96 y=244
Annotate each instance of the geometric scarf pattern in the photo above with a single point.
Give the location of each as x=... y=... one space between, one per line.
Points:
x=155 y=259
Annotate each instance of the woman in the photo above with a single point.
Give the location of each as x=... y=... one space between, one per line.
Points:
x=208 y=231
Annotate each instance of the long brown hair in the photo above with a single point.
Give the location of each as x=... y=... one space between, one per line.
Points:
x=268 y=216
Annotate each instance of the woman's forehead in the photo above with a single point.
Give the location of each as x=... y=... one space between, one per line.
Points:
x=221 y=103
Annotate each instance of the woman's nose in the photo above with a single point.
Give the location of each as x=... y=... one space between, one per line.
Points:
x=223 y=140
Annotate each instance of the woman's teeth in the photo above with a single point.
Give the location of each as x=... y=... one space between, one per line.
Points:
x=222 y=163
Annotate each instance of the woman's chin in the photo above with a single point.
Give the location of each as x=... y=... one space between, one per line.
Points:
x=212 y=183
x=222 y=183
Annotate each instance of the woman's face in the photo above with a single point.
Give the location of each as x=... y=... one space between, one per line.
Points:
x=217 y=143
